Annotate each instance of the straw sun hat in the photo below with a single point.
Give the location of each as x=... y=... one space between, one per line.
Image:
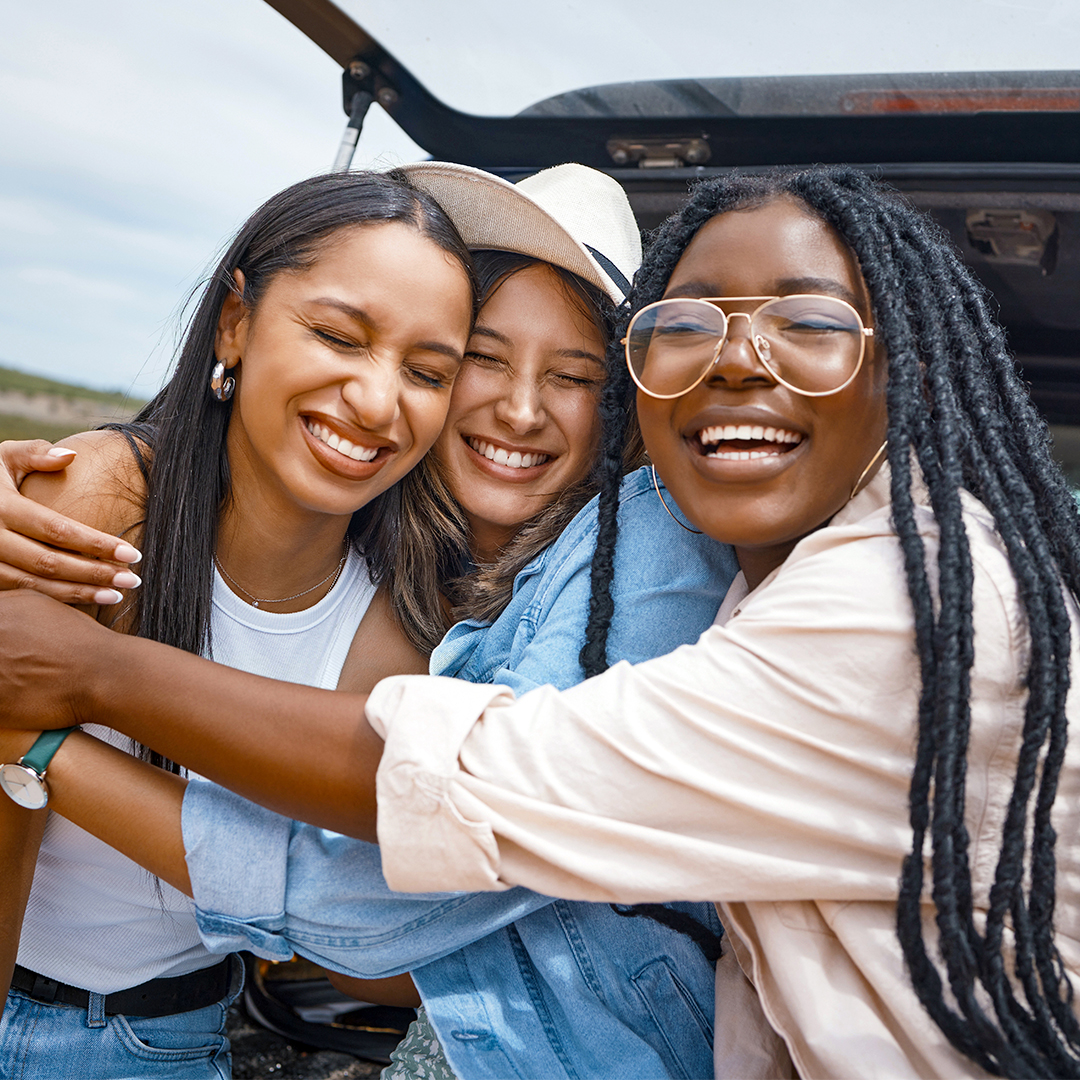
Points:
x=570 y=215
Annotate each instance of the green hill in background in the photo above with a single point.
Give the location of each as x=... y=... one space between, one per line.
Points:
x=33 y=407
x=12 y=379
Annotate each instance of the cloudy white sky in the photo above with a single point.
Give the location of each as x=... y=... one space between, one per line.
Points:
x=135 y=135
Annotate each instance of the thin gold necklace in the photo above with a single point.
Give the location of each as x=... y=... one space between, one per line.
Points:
x=257 y=600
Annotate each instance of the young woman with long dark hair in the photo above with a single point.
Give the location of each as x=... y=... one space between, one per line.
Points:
x=315 y=374
x=865 y=760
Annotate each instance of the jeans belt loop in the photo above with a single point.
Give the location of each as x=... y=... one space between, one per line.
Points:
x=95 y=1011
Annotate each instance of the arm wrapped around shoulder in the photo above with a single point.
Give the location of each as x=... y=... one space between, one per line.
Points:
x=771 y=760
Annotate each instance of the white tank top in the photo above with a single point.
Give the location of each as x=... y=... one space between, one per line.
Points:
x=95 y=919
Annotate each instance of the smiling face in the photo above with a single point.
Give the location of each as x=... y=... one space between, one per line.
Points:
x=523 y=424
x=344 y=370
x=748 y=461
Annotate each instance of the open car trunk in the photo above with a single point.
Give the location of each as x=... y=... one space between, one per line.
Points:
x=993 y=156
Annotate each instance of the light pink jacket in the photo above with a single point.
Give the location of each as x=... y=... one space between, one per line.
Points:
x=765 y=767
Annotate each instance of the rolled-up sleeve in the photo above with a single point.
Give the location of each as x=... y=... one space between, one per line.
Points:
x=275 y=886
x=432 y=718
x=223 y=832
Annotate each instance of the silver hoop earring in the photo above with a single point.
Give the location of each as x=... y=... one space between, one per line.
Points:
x=221 y=385
x=656 y=484
x=862 y=475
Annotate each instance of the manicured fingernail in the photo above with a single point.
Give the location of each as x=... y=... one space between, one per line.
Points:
x=127 y=553
x=125 y=579
x=107 y=596
x=60 y=451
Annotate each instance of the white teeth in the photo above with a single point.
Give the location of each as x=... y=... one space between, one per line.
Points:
x=742 y=455
x=710 y=436
x=511 y=459
x=342 y=446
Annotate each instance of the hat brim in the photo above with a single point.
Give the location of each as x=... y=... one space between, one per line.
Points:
x=490 y=212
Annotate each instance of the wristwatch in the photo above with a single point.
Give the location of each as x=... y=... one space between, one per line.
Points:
x=24 y=781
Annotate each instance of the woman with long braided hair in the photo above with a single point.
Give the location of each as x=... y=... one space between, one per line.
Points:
x=864 y=761
x=960 y=414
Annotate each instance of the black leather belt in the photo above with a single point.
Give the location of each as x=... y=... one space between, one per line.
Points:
x=158 y=997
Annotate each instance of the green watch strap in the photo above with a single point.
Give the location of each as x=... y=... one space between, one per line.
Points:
x=41 y=753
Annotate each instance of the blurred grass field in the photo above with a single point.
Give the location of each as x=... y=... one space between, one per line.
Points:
x=22 y=427
x=13 y=379
x=14 y=425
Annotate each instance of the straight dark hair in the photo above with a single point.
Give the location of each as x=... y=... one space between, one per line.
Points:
x=956 y=401
x=179 y=438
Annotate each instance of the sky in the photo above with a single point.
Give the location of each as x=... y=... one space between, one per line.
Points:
x=136 y=136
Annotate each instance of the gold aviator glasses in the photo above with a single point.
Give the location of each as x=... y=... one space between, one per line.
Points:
x=810 y=343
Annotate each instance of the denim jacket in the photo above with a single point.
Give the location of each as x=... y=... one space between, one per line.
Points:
x=515 y=984
x=668 y=585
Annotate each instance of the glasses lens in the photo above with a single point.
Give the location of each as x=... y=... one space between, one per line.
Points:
x=813 y=343
x=671 y=344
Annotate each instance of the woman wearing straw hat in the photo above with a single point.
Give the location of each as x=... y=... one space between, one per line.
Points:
x=517 y=983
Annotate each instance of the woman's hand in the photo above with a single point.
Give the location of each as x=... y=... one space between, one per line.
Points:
x=49 y=655
x=37 y=544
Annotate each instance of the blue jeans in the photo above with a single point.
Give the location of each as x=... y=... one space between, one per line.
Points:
x=64 y=1042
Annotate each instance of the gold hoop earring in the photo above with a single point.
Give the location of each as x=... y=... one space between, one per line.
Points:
x=656 y=484
x=862 y=475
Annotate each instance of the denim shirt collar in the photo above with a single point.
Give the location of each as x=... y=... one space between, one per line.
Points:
x=463 y=651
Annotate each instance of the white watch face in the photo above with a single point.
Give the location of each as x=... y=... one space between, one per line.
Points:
x=24 y=786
